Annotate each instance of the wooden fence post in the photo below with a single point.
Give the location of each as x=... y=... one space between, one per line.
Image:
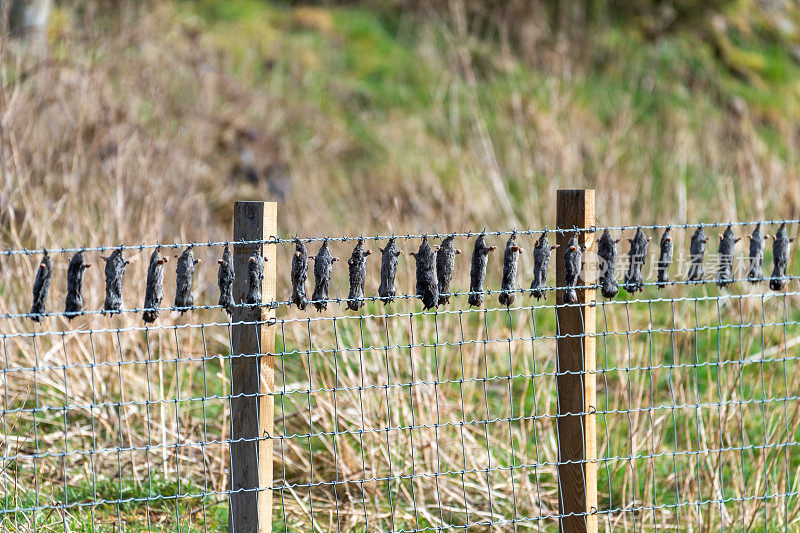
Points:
x=577 y=439
x=252 y=374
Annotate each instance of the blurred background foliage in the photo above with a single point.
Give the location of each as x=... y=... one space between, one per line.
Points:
x=420 y=116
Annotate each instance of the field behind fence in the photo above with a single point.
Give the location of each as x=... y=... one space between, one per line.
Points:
x=397 y=418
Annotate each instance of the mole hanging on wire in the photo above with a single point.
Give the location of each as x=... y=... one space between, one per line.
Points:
x=427 y=285
x=445 y=264
x=477 y=271
x=727 y=245
x=607 y=252
x=697 y=248
x=664 y=259
x=154 y=288
x=572 y=269
x=541 y=258
x=225 y=277
x=41 y=287
x=389 y=255
x=184 y=280
x=255 y=276
x=299 y=275
x=780 y=259
x=114 y=272
x=508 y=284
x=358 y=275
x=73 y=305
x=634 y=281
x=323 y=267
x=755 y=269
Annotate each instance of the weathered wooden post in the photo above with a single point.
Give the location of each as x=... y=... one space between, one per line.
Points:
x=577 y=440
x=252 y=374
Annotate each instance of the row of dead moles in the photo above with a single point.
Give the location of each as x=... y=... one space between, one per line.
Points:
x=435 y=266
x=115 y=266
x=434 y=269
x=633 y=280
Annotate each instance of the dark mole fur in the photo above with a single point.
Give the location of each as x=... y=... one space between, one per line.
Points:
x=389 y=255
x=41 y=287
x=323 y=266
x=358 y=275
x=780 y=259
x=755 y=270
x=636 y=256
x=509 y=282
x=477 y=271
x=697 y=248
x=299 y=274
x=664 y=259
x=541 y=258
x=445 y=264
x=225 y=278
x=427 y=285
x=255 y=275
x=607 y=253
x=154 y=290
x=572 y=269
x=114 y=271
x=185 y=279
x=74 y=301
x=727 y=245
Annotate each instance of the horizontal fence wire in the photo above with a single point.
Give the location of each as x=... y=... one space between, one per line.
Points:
x=395 y=418
x=680 y=267
x=274 y=239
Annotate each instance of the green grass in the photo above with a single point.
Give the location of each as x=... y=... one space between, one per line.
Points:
x=137 y=506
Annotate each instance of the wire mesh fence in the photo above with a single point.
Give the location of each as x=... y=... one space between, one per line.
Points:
x=395 y=418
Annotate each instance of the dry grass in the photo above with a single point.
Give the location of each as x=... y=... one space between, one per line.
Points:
x=131 y=135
